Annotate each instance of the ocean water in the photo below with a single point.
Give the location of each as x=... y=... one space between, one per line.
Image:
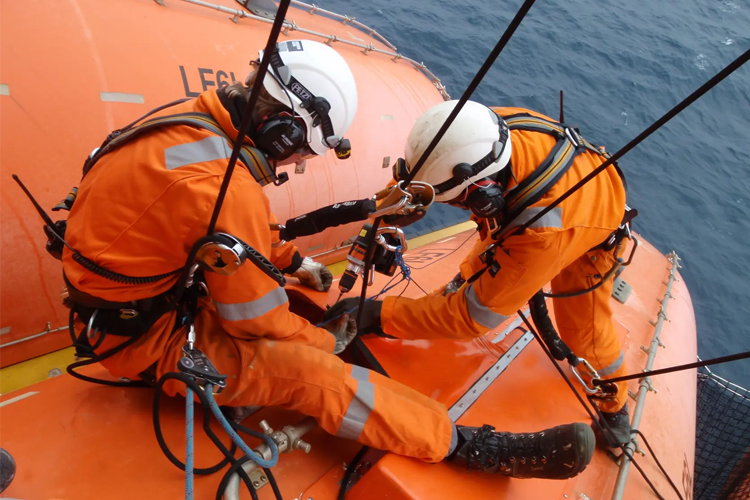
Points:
x=621 y=66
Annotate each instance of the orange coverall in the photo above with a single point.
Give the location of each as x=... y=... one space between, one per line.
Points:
x=556 y=248
x=140 y=210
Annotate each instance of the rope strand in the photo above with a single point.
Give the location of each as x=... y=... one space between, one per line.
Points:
x=688 y=366
x=721 y=75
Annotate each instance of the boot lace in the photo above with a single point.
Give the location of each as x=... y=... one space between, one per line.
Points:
x=525 y=449
x=484 y=449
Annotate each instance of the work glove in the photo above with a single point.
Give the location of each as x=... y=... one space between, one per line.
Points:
x=344 y=329
x=314 y=275
x=370 y=321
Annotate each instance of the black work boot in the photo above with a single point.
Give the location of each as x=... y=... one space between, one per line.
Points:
x=619 y=422
x=7 y=469
x=557 y=453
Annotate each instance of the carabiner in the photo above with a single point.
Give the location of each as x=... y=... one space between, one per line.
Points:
x=589 y=388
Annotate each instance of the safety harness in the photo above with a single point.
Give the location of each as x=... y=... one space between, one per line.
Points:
x=568 y=146
x=253 y=159
x=134 y=318
x=531 y=189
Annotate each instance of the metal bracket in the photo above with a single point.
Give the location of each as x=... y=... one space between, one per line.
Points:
x=481 y=385
x=258 y=479
x=621 y=290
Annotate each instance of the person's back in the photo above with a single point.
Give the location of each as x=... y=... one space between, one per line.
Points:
x=143 y=206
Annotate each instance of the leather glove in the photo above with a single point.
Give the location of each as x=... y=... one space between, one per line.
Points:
x=344 y=329
x=314 y=275
x=370 y=322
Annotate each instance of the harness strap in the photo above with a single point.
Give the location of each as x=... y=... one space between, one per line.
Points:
x=569 y=145
x=253 y=159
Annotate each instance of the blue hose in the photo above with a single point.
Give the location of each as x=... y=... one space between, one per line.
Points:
x=189 y=444
x=238 y=440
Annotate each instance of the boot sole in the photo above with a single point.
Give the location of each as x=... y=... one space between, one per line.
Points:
x=586 y=440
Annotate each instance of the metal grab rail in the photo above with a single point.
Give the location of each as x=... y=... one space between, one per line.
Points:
x=345 y=19
x=293 y=26
x=645 y=383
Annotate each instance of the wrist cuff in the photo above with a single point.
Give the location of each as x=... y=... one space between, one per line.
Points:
x=296 y=263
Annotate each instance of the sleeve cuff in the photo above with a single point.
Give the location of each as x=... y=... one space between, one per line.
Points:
x=296 y=263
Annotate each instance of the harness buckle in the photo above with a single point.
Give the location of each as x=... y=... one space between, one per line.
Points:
x=128 y=313
x=574 y=137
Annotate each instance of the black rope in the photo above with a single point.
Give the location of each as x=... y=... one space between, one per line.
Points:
x=661 y=468
x=368 y=268
x=446 y=255
x=236 y=468
x=697 y=364
x=721 y=75
x=605 y=429
x=509 y=31
x=207 y=415
x=189 y=382
x=626 y=452
x=271 y=479
x=247 y=116
x=272 y=482
x=578 y=293
x=95 y=358
x=350 y=471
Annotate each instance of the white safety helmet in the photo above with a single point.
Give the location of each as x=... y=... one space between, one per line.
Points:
x=477 y=137
x=316 y=82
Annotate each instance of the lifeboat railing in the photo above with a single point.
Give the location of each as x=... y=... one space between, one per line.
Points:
x=645 y=382
x=312 y=9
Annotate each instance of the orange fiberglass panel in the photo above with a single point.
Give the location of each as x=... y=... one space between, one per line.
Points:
x=529 y=395
x=102 y=444
x=91 y=428
x=72 y=71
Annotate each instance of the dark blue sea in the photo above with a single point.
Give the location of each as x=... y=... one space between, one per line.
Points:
x=622 y=64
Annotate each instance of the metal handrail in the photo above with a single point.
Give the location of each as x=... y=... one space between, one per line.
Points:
x=645 y=382
x=293 y=26
x=345 y=19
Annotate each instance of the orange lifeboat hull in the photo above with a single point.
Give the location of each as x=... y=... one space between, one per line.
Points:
x=73 y=71
x=90 y=429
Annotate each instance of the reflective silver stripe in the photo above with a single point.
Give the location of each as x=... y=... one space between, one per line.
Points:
x=552 y=219
x=454 y=440
x=360 y=373
x=481 y=313
x=121 y=97
x=254 y=308
x=359 y=410
x=209 y=149
x=612 y=368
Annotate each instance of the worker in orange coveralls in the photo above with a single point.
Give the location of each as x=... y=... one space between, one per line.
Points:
x=477 y=164
x=142 y=207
